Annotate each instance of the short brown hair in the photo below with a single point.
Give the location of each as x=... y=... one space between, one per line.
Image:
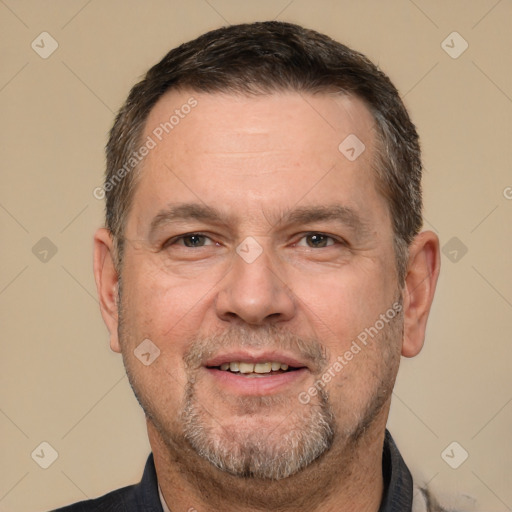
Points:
x=262 y=58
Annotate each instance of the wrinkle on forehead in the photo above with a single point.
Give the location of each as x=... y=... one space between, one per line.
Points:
x=336 y=114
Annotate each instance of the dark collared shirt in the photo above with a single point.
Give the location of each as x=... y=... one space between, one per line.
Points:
x=398 y=485
x=144 y=497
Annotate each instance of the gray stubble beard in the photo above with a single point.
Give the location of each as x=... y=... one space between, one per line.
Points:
x=250 y=455
x=309 y=434
x=256 y=454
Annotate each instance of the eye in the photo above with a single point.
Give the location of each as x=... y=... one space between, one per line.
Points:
x=316 y=240
x=190 y=240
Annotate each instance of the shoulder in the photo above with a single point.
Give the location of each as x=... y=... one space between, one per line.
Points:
x=133 y=498
x=120 y=500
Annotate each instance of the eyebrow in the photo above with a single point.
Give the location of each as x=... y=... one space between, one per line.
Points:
x=185 y=211
x=336 y=213
x=300 y=215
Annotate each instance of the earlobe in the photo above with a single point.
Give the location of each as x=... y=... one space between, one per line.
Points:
x=420 y=284
x=107 y=282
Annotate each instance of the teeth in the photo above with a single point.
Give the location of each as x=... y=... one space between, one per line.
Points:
x=263 y=367
x=237 y=366
x=246 y=367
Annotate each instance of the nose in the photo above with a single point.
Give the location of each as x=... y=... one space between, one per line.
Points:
x=254 y=292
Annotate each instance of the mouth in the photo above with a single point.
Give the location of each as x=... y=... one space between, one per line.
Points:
x=252 y=364
x=260 y=369
x=242 y=373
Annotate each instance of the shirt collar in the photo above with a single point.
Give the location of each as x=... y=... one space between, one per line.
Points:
x=398 y=486
x=162 y=501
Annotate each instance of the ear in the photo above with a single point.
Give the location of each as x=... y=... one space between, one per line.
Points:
x=107 y=281
x=420 y=285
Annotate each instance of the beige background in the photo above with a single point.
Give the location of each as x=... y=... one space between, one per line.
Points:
x=59 y=381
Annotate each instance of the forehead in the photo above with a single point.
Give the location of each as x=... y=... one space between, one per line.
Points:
x=257 y=152
x=257 y=120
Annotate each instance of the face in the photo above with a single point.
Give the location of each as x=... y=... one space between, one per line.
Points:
x=259 y=261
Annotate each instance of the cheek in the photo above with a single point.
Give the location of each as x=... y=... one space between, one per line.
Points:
x=345 y=310
x=165 y=305
x=153 y=342
x=361 y=376
x=159 y=389
x=342 y=304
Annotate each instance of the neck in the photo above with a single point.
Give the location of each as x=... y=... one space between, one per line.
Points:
x=347 y=478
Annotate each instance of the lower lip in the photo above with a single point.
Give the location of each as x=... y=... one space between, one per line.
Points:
x=240 y=384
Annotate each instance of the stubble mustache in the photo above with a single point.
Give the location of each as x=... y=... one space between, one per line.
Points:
x=307 y=350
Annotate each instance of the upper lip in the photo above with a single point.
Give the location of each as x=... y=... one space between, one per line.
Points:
x=252 y=357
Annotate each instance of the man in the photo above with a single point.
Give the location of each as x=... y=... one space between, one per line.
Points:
x=262 y=271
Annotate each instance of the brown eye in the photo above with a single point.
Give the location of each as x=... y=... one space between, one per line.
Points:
x=194 y=240
x=316 y=240
x=189 y=240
